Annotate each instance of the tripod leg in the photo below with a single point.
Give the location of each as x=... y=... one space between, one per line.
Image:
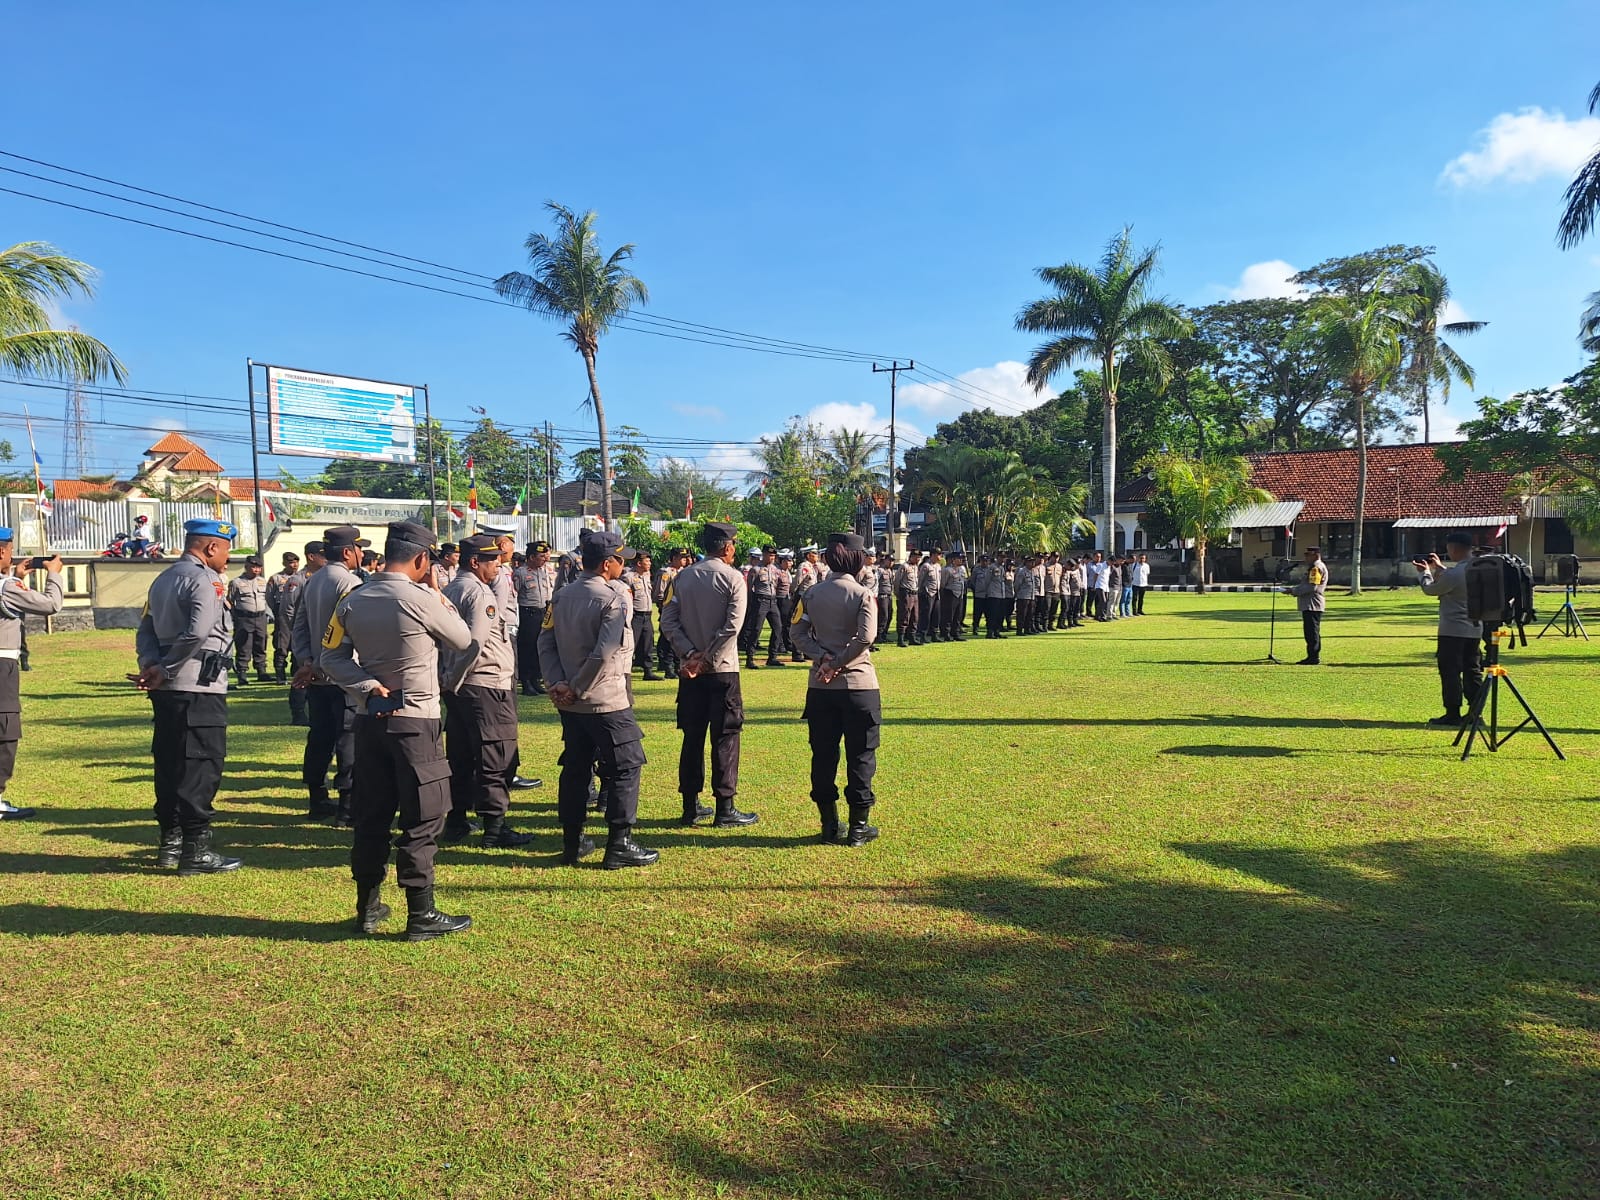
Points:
x=1473 y=726
x=1534 y=717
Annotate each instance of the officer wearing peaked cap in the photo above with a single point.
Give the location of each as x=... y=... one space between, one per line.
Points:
x=248 y=598
x=277 y=585
x=182 y=645
x=382 y=646
x=586 y=651
x=536 y=586
x=16 y=601
x=330 y=737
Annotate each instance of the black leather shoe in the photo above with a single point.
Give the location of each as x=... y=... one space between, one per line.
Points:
x=776 y=662
x=280 y=677
x=623 y=851
x=497 y=835
x=728 y=816
x=650 y=675
x=371 y=911
x=693 y=811
x=241 y=681
x=860 y=832
x=1453 y=720
x=575 y=845
x=171 y=848
x=424 y=922
x=322 y=807
x=342 y=816
x=751 y=664
x=197 y=857
x=1309 y=662
x=520 y=784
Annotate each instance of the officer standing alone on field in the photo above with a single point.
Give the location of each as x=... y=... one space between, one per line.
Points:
x=382 y=645
x=1459 y=649
x=1311 y=597
x=247 y=597
x=703 y=619
x=183 y=644
x=17 y=601
x=586 y=650
x=330 y=737
x=842 y=701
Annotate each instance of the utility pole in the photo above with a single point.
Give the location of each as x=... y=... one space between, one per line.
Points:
x=892 y=517
x=549 y=486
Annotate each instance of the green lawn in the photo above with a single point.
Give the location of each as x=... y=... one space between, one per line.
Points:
x=1148 y=919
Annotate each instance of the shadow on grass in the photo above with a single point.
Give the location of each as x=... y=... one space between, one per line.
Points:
x=1222 y=751
x=51 y=920
x=1401 y=1019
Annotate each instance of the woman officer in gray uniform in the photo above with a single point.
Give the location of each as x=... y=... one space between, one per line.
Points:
x=835 y=630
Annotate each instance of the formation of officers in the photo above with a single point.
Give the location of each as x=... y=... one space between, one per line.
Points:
x=407 y=664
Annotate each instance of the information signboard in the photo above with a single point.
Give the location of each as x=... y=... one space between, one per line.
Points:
x=333 y=416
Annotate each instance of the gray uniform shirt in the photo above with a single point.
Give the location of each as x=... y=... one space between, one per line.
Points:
x=1027 y=583
x=1309 y=595
x=289 y=596
x=638 y=588
x=535 y=585
x=587 y=644
x=16 y=598
x=246 y=595
x=491 y=660
x=505 y=598
x=928 y=577
x=954 y=581
x=706 y=613
x=185 y=617
x=388 y=631
x=1450 y=586
x=841 y=620
x=318 y=598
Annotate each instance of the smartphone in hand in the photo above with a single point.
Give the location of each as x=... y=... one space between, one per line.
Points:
x=382 y=706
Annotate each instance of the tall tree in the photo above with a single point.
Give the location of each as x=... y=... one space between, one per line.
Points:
x=1583 y=194
x=672 y=483
x=572 y=280
x=793 y=460
x=1359 y=318
x=1264 y=357
x=1104 y=315
x=32 y=274
x=1197 y=497
x=1430 y=360
x=630 y=462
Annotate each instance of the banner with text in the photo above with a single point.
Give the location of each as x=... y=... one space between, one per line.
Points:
x=332 y=416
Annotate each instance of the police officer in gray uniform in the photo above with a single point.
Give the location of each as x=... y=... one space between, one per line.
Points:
x=480 y=723
x=638 y=582
x=536 y=584
x=182 y=644
x=885 y=591
x=289 y=604
x=247 y=597
x=331 y=735
x=842 y=701
x=704 y=619
x=586 y=651
x=16 y=601
x=276 y=586
x=382 y=645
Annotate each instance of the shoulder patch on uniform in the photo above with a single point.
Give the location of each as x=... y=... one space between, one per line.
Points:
x=489 y=611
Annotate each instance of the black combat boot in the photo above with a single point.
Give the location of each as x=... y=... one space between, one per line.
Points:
x=775 y=662
x=342 y=816
x=171 y=848
x=860 y=832
x=196 y=857
x=650 y=675
x=371 y=911
x=750 y=663
x=456 y=829
x=729 y=816
x=280 y=677
x=263 y=677
x=497 y=835
x=693 y=811
x=321 y=807
x=575 y=845
x=623 y=851
x=831 y=832
x=424 y=922
x=597 y=798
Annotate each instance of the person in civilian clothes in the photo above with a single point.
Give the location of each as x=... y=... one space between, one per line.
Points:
x=783 y=578
x=280 y=627
x=331 y=735
x=17 y=602
x=294 y=588
x=906 y=577
x=842 y=698
x=1311 y=598
x=1460 y=640
x=586 y=648
x=1141 y=583
x=703 y=619
x=382 y=645
x=666 y=656
x=247 y=597
x=1113 y=587
x=929 y=575
x=480 y=710
x=536 y=584
x=953 y=598
x=182 y=644
x=637 y=579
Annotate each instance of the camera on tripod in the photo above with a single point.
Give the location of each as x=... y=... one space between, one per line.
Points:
x=1567 y=570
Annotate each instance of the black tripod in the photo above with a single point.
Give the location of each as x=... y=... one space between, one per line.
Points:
x=1571 y=625
x=1489 y=695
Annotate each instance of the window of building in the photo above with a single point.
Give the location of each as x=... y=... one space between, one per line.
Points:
x=1557 y=536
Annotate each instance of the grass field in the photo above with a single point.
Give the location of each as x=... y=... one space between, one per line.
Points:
x=1148 y=919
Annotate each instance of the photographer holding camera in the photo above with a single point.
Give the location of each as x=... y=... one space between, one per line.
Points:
x=1460 y=653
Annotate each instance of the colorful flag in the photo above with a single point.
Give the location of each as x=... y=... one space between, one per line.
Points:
x=819 y=487
x=43 y=500
x=516 y=509
x=1501 y=532
x=688 y=505
x=472 y=494
x=267 y=504
x=633 y=506
x=763 y=487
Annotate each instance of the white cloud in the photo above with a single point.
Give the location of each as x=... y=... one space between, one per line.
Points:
x=1524 y=146
x=862 y=417
x=1452 y=313
x=1002 y=387
x=1264 y=280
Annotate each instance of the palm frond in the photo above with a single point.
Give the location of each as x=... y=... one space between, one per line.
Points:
x=1054 y=356
x=1583 y=204
x=60 y=354
x=1589 y=324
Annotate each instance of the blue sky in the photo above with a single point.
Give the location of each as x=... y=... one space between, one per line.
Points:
x=881 y=177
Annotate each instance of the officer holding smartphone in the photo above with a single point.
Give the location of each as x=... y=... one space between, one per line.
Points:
x=382 y=646
x=17 y=600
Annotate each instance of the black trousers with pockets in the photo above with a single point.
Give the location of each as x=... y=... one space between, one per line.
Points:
x=480 y=737
x=612 y=744
x=329 y=739
x=188 y=747
x=710 y=704
x=854 y=717
x=402 y=778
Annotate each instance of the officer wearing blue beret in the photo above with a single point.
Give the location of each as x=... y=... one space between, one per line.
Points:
x=17 y=599
x=183 y=643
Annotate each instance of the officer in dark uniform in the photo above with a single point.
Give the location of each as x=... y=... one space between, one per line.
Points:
x=16 y=601
x=276 y=586
x=586 y=651
x=703 y=619
x=183 y=643
x=247 y=597
x=480 y=723
x=536 y=585
x=382 y=644
x=330 y=736
x=835 y=632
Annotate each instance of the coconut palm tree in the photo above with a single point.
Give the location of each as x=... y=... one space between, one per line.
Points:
x=1201 y=496
x=574 y=281
x=1104 y=315
x=31 y=275
x=1589 y=324
x=1583 y=195
x=1429 y=358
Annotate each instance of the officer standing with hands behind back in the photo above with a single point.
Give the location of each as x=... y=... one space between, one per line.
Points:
x=382 y=646
x=182 y=643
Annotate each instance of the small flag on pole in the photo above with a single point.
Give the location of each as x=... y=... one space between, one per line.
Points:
x=819 y=487
x=633 y=505
x=763 y=487
x=688 y=505
x=42 y=499
x=472 y=494
x=516 y=509
x=1501 y=532
x=271 y=516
